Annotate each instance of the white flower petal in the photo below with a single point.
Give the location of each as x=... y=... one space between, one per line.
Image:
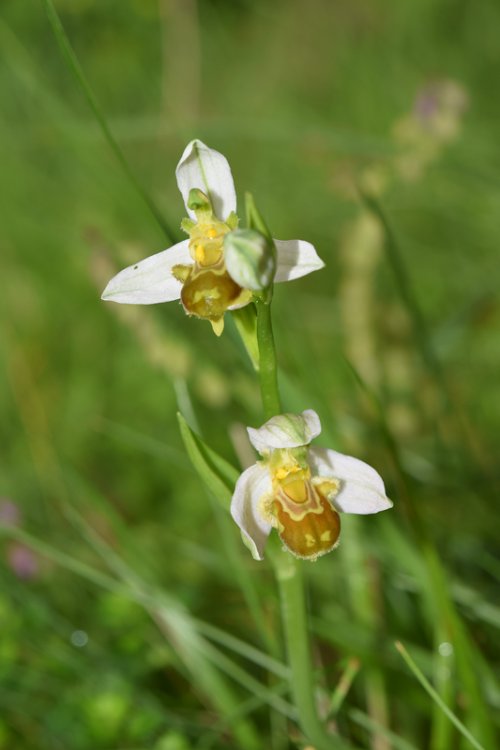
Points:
x=285 y=431
x=362 y=490
x=250 y=487
x=208 y=170
x=239 y=305
x=295 y=258
x=150 y=280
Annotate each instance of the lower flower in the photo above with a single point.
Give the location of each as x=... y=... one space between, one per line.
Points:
x=300 y=491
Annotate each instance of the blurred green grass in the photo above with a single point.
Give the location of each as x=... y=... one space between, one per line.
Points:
x=302 y=97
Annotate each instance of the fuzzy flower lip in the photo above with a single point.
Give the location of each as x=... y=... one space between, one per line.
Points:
x=301 y=490
x=151 y=281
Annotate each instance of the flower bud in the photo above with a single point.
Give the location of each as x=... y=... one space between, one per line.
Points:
x=250 y=259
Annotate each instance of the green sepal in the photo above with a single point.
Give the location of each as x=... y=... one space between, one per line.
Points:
x=254 y=218
x=246 y=322
x=216 y=473
x=232 y=221
x=187 y=225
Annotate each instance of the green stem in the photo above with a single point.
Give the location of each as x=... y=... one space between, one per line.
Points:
x=76 y=69
x=287 y=568
x=294 y=614
x=271 y=401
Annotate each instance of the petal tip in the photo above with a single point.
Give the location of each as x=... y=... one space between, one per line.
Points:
x=107 y=293
x=386 y=504
x=189 y=149
x=296 y=258
x=206 y=169
x=312 y=423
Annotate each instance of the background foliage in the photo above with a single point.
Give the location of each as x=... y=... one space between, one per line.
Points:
x=125 y=612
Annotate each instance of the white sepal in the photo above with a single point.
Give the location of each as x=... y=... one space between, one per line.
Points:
x=361 y=491
x=252 y=485
x=202 y=167
x=285 y=431
x=295 y=258
x=150 y=280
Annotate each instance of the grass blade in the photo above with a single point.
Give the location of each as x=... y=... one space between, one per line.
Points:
x=436 y=698
x=75 y=67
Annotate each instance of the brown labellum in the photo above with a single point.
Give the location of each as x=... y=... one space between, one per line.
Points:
x=308 y=528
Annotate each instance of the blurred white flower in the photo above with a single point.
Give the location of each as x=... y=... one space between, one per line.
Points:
x=300 y=490
x=194 y=270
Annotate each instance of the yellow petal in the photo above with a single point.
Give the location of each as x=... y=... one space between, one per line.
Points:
x=217 y=326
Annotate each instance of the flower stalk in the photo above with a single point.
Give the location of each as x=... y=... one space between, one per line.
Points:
x=287 y=568
x=289 y=575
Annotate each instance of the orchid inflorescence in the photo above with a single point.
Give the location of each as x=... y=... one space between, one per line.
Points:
x=294 y=488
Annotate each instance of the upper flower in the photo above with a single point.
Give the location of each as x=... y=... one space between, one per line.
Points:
x=195 y=270
x=300 y=490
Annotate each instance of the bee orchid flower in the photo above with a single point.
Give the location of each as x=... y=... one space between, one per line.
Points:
x=301 y=490
x=195 y=269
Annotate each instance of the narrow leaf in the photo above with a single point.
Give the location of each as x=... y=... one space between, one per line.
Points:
x=436 y=698
x=217 y=473
x=75 y=67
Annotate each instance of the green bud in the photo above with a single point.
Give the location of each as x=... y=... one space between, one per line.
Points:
x=250 y=259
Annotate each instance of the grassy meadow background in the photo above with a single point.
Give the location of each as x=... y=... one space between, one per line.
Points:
x=131 y=615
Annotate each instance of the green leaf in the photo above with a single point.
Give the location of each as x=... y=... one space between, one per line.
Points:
x=217 y=474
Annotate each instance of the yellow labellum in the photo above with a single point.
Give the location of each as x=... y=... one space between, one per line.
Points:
x=207 y=288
